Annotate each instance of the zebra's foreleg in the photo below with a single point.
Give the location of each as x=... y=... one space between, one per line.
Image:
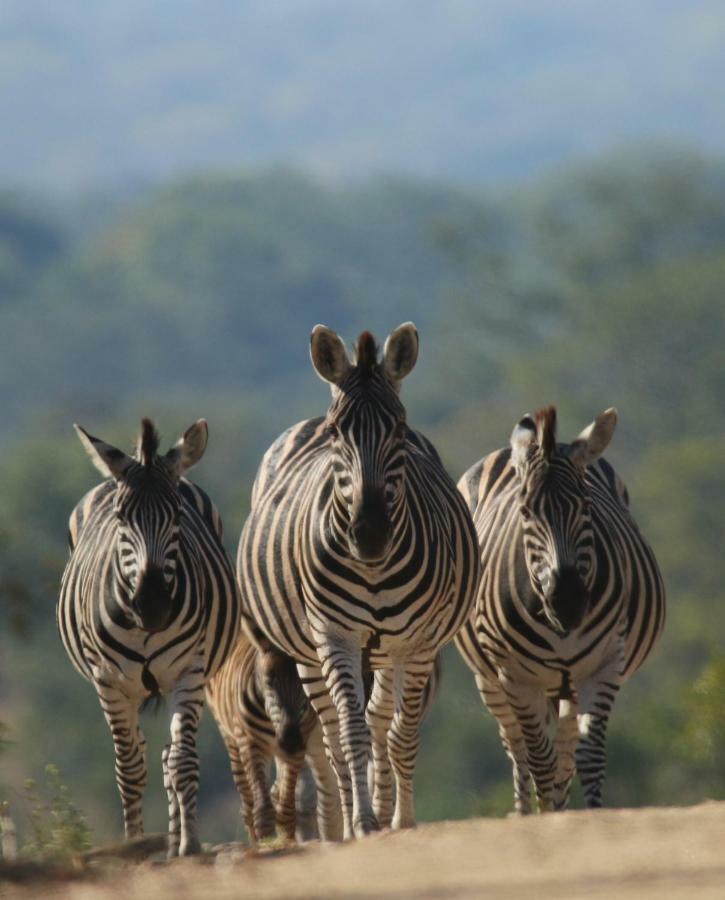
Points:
x=288 y=771
x=404 y=735
x=306 y=804
x=512 y=739
x=531 y=708
x=173 y=803
x=329 y=809
x=319 y=697
x=258 y=760
x=239 y=766
x=182 y=760
x=379 y=715
x=342 y=670
x=596 y=698
x=129 y=746
x=567 y=735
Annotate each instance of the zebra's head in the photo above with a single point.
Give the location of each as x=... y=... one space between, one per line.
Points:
x=555 y=511
x=147 y=508
x=367 y=431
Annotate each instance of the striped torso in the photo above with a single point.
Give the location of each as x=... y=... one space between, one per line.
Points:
x=508 y=632
x=297 y=574
x=103 y=643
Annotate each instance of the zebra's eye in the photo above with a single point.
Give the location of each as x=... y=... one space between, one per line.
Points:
x=331 y=431
x=525 y=512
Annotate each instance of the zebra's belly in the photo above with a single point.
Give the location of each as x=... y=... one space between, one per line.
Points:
x=575 y=654
x=392 y=626
x=145 y=664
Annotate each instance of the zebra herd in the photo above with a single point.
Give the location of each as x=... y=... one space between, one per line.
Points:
x=359 y=561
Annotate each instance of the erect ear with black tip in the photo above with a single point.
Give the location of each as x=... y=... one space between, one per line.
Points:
x=189 y=449
x=400 y=352
x=328 y=354
x=110 y=461
x=594 y=440
x=523 y=439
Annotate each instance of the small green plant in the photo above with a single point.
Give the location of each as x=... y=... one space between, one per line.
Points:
x=58 y=828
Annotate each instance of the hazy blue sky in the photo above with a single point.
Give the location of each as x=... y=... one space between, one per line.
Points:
x=96 y=91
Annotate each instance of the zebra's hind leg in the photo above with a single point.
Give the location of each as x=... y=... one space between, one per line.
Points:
x=129 y=746
x=379 y=715
x=182 y=760
x=329 y=809
x=512 y=739
x=596 y=698
x=404 y=735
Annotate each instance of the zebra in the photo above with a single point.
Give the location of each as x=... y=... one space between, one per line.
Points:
x=570 y=603
x=359 y=545
x=263 y=713
x=149 y=606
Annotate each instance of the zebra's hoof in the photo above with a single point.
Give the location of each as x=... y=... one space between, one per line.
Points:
x=368 y=825
x=190 y=847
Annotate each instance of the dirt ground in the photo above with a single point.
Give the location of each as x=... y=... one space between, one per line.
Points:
x=645 y=853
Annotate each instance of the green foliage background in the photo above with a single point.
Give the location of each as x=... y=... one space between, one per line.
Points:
x=601 y=287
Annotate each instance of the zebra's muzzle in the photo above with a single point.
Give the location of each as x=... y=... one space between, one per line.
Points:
x=370 y=532
x=567 y=600
x=152 y=601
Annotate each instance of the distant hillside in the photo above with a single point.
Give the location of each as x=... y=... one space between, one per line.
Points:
x=94 y=92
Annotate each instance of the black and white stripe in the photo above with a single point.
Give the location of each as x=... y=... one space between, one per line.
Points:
x=359 y=545
x=263 y=714
x=571 y=602
x=149 y=606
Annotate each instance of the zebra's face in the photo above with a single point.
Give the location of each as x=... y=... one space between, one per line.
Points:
x=555 y=513
x=148 y=517
x=148 y=514
x=367 y=444
x=367 y=435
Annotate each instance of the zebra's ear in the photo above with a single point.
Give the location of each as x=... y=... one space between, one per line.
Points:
x=400 y=352
x=110 y=461
x=594 y=440
x=328 y=355
x=523 y=438
x=189 y=449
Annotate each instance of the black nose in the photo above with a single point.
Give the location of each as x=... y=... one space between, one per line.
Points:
x=370 y=527
x=568 y=598
x=152 y=600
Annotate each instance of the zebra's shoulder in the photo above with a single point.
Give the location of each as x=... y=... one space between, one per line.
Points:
x=489 y=476
x=96 y=502
x=295 y=445
x=198 y=499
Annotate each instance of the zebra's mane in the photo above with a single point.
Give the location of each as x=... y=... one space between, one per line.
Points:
x=366 y=354
x=148 y=443
x=546 y=430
